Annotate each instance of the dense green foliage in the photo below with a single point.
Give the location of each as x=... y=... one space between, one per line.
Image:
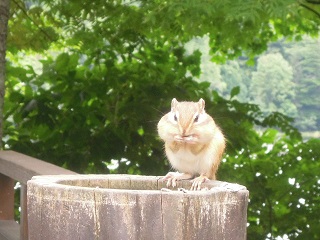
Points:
x=89 y=80
x=284 y=185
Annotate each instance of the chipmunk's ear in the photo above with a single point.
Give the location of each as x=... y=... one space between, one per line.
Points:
x=201 y=104
x=174 y=103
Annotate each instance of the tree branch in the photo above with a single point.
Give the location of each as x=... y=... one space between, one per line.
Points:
x=313 y=2
x=27 y=15
x=310 y=9
x=4 y=17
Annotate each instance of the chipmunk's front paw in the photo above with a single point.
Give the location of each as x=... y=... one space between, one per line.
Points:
x=173 y=177
x=196 y=183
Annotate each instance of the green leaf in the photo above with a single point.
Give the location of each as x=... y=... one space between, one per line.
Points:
x=205 y=85
x=62 y=61
x=269 y=136
x=234 y=91
x=28 y=91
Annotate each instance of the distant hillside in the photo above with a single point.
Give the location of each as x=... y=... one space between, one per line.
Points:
x=286 y=78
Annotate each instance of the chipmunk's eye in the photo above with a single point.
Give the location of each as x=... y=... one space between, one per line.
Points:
x=196 y=118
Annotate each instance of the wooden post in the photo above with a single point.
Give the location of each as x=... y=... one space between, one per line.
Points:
x=19 y=167
x=6 y=198
x=134 y=207
x=23 y=213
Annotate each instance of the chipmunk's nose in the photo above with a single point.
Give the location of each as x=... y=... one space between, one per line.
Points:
x=183 y=133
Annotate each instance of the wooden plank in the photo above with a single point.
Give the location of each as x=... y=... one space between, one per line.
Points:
x=6 y=198
x=123 y=214
x=211 y=215
x=60 y=212
x=173 y=216
x=144 y=182
x=34 y=210
x=22 y=167
x=23 y=213
x=118 y=181
x=9 y=230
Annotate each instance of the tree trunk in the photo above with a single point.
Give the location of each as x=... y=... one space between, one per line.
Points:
x=4 y=17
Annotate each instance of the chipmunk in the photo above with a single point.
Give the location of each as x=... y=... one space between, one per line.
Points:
x=194 y=144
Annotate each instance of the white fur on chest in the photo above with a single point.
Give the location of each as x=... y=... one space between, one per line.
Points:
x=185 y=161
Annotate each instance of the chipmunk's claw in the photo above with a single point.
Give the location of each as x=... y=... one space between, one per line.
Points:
x=173 y=177
x=196 y=183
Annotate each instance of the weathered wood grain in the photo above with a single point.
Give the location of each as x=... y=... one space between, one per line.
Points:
x=15 y=166
x=9 y=230
x=133 y=207
x=22 y=167
x=6 y=198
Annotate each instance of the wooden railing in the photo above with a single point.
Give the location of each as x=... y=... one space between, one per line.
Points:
x=17 y=167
